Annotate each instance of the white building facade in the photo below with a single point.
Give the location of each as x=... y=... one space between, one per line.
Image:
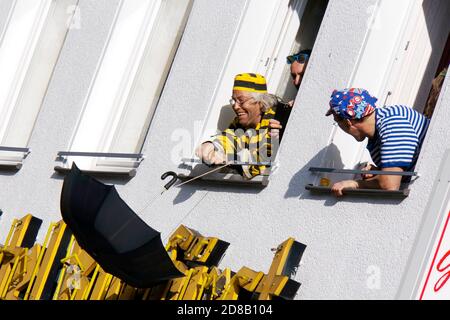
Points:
x=150 y=80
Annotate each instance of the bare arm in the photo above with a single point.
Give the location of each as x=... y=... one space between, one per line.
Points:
x=390 y=183
x=383 y=182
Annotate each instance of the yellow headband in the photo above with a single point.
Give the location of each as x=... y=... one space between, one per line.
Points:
x=250 y=82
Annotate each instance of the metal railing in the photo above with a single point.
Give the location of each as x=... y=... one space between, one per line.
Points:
x=399 y=194
x=374 y=172
x=138 y=156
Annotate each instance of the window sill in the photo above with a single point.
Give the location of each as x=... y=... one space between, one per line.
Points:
x=109 y=165
x=373 y=193
x=11 y=158
x=10 y=165
x=111 y=173
x=225 y=177
x=230 y=179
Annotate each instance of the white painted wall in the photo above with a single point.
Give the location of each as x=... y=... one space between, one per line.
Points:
x=5 y=7
x=357 y=248
x=30 y=189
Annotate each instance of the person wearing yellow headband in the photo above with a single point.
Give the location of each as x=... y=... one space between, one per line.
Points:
x=249 y=137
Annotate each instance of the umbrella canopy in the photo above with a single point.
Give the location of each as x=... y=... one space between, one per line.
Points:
x=112 y=233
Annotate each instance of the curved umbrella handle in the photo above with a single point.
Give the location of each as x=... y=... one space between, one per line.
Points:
x=172 y=181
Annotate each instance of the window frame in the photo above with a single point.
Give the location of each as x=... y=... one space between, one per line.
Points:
x=41 y=44
x=130 y=97
x=249 y=53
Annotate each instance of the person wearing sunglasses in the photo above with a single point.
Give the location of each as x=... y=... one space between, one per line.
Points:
x=251 y=136
x=298 y=63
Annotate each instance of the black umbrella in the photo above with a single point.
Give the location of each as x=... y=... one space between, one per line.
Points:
x=112 y=233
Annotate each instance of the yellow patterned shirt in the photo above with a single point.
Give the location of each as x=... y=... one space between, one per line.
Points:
x=251 y=145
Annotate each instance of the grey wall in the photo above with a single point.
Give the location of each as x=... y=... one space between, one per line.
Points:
x=344 y=237
x=35 y=188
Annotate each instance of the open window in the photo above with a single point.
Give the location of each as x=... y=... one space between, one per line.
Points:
x=30 y=43
x=119 y=107
x=269 y=32
x=405 y=44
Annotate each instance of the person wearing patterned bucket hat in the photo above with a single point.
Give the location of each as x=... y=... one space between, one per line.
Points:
x=395 y=135
x=250 y=137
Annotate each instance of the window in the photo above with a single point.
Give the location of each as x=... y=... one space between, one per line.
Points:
x=29 y=48
x=398 y=61
x=130 y=76
x=269 y=32
x=416 y=61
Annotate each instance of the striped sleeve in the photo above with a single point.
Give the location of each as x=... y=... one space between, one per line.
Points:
x=253 y=145
x=399 y=142
x=227 y=143
x=261 y=151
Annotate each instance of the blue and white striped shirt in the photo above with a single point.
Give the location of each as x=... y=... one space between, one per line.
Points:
x=399 y=133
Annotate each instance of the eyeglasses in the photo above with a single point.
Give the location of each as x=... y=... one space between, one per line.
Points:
x=300 y=58
x=234 y=101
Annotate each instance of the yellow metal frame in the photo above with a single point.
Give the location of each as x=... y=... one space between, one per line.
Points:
x=25 y=272
x=11 y=251
x=100 y=288
x=182 y=238
x=196 y=284
x=201 y=249
x=274 y=282
x=21 y=275
x=55 y=236
x=114 y=289
x=246 y=279
x=88 y=268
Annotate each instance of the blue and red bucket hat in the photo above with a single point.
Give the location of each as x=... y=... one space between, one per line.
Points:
x=352 y=104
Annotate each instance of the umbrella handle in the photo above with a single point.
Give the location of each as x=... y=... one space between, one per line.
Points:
x=172 y=181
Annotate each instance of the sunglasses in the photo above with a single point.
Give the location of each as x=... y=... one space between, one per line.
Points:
x=300 y=58
x=234 y=101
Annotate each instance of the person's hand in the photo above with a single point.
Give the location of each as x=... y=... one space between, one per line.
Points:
x=291 y=103
x=209 y=155
x=368 y=167
x=338 y=188
x=204 y=150
x=274 y=127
